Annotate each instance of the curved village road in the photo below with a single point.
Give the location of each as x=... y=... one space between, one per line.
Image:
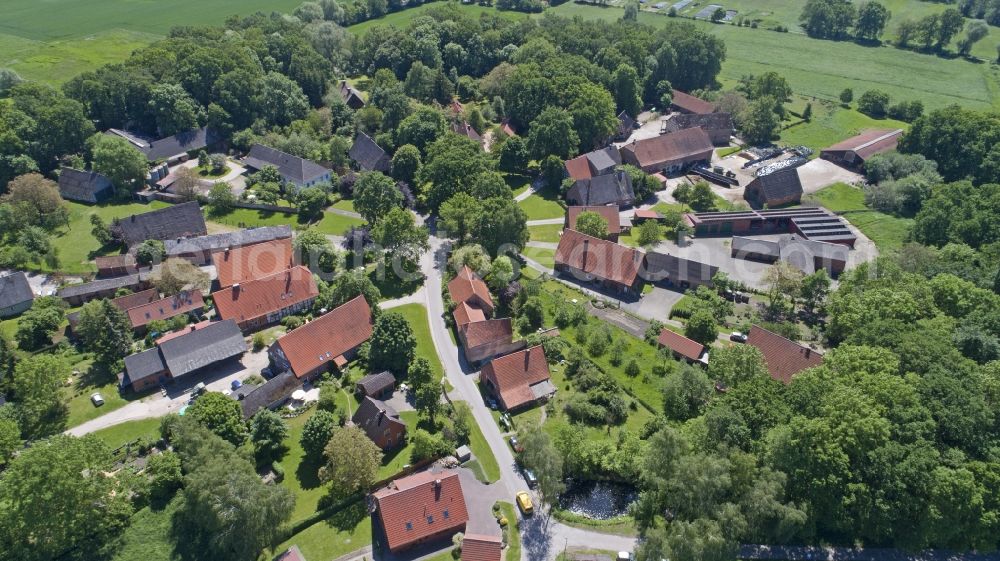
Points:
x=542 y=537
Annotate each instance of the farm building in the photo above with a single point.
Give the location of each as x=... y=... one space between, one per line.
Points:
x=784 y=358
x=519 y=379
x=378 y=386
x=812 y=223
x=776 y=189
x=686 y=103
x=592 y=164
x=186 y=302
x=184 y=355
x=465 y=129
x=79 y=294
x=367 y=155
x=676 y=272
x=854 y=151
x=351 y=96
x=199 y=250
x=380 y=422
x=591 y=259
x=253 y=261
x=682 y=348
x=269 y=395
x=329 y=340
x=172 y=222
x=115 y=265
x=16 y=296
x=719 y=126
x=608 y=213
x=609 y=189
x=482 y=338
x=173 y=148
x=264 y=301
x=420 y=508
x=123 y=303
x=805 y=255
x=84 y=186
x=294 y=170
x=669 y=152
x=626 y=124
x=468 y=287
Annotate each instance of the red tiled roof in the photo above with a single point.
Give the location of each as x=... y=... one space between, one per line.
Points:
x=608 y=213
x=126 y=303
x=869 y=142
x=507 y=129
x=414 y=507
x=124 y=261
x=266 y=295
x=465 y=314
x=165 y=308
x=691 y=103
x=480 y=333
x=292 y=554
x=647 y=214
x=578 y=167
x=514 y=374
x=671 y=147
x=785 y=358
x=601 y=258
x=327 y=337
x=680 y=344
x=477 y=547
x=467 y=284
x=187 y=329
x=253 y=261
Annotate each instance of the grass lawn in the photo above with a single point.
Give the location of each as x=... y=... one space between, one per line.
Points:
x=128 y=431
x=205 y=172
x=345 y=204
x=76 y=246
x=904 y=75
x=830 y=124
x=545 y=233
x=389 y=284
x=337 y=224
x=344 y=532
x=394 y=461
x=542 y=205
x=483 y=453
x=723 y=152
x=249 y=218
x=147 y=537
x=544 y=257
x=301 y=476
x=513 y=531
x=416 y=314
x=887 y=231
x=82 y=410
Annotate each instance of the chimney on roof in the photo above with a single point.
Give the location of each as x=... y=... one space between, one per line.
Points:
x=437 y=483
x=236 y=290
x=808 y=352
x=586 y=250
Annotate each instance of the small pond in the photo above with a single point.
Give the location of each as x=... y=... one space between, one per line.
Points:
x=600 y=500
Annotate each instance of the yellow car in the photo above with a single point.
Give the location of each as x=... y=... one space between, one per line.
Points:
x=524 y=503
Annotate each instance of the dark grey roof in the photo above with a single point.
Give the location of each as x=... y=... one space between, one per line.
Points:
x=625 y=122
x=14 y=289
x=235 y=239
x=208 y=345
x=707 y=121
x=604 y=160
x=84 y=186
x=663 y=265
x=612 y=188
x=172 y=222
x=744 y=245
x=368 y=155
x=181 y=143
x=273 y=391
x=99 y=285
x=374 y=383
x=799 y=252
x=370 y=418
x=145 y=364
x=292 y=168
x=778 y=185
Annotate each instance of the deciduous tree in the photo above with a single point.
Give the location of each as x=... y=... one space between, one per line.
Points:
x=352 y=461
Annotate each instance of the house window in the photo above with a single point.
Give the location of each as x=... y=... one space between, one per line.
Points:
x=430 y=519
x=446 y=515
x=409 y=525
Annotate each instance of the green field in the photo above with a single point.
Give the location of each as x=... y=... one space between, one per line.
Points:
x=400 y=19
x=821 y=69
x=542 y=206
x=887 y=231
x=545 y=233
x=830 y=124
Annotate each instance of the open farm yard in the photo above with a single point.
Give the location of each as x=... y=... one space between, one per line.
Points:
x=821 y=69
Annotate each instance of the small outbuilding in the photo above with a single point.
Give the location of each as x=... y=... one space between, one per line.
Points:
x=855 y=151
x=16 y=296
x=378 y=386
x=780 y=188
x=84 y=186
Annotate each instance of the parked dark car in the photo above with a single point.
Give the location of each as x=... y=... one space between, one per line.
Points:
x=515 y=444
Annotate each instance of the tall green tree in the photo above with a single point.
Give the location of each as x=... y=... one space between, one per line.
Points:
x=116 y=158
x=352 y=461
x=500 y=222
x=872 y=18
x=375 y=195
x=553 y=133
x=267 y=432
x=393 y=344
x=542 y=458
x=105 y=330
x=220 y=415
x=57 y=501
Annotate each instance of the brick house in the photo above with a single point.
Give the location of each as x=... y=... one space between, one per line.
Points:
x=265 y=301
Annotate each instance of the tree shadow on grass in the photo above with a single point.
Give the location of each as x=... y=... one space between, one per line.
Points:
x=390 y=455
x=307 y=473
x=349 y=517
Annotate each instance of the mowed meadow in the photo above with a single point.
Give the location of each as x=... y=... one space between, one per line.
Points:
x=54 y=40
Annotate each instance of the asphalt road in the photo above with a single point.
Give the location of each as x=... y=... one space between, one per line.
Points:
x=542 y=537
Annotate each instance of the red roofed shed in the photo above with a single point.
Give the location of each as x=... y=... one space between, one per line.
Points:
x=589 y=258
x=682 y=347
x=477 y=547
x=785 y=358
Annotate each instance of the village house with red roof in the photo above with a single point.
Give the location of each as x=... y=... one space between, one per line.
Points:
x=329 y=340
x=420 y=508
x=258 y=303
x=519 y=379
